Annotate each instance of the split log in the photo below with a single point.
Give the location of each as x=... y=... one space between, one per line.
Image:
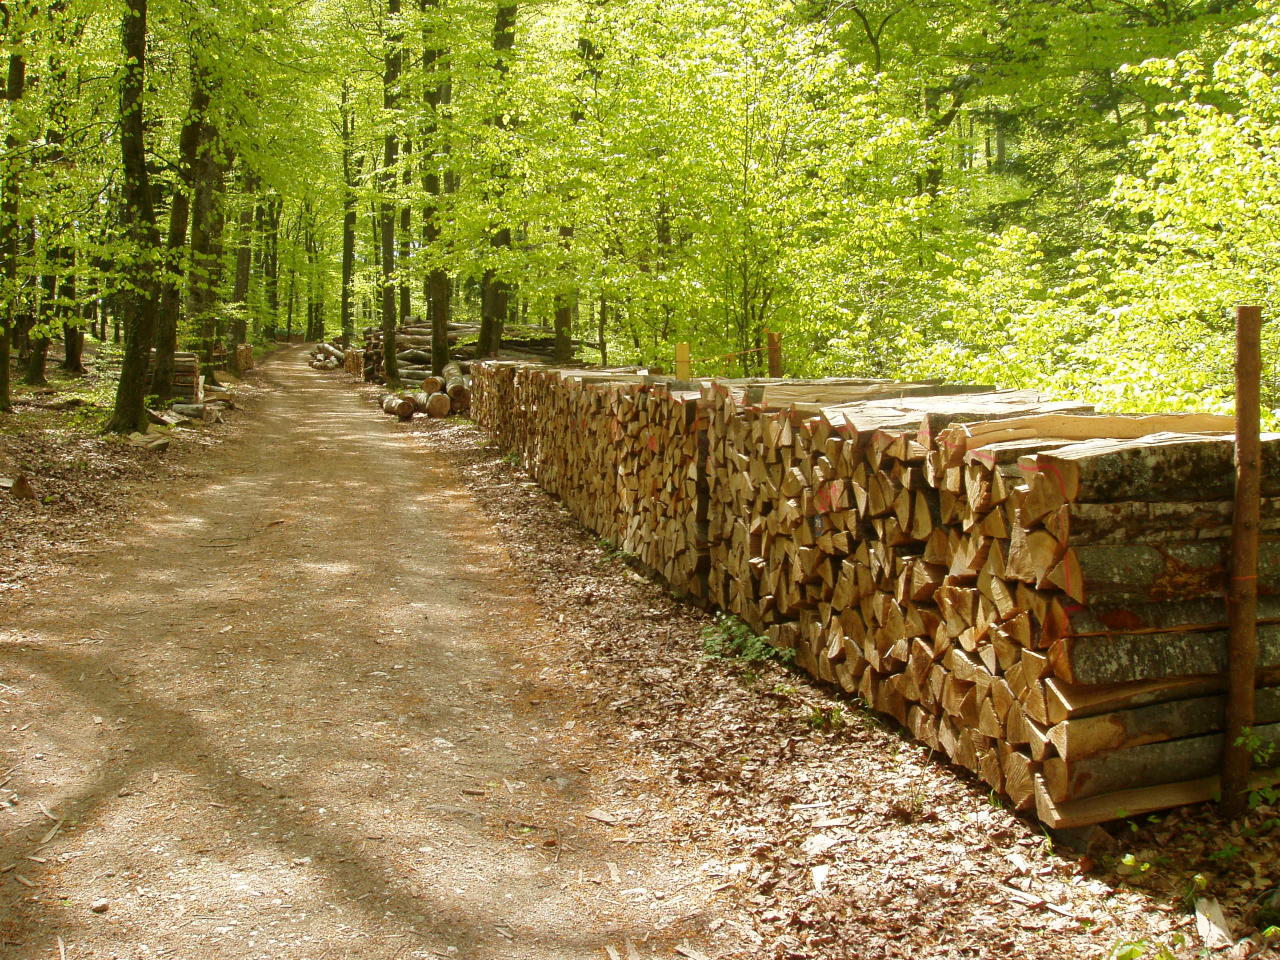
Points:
x=1133 y=802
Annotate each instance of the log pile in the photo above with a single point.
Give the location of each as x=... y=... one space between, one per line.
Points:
x=326 y=356
x=405 y=405
x=413 y=348
x=1031 y=588
x=188 y=384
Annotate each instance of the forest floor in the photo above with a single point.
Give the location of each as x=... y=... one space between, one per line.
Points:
x=317 y=684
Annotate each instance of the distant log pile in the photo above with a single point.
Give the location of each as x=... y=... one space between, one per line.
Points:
x=1031 y=588
x=326 y=356
x=413 y=348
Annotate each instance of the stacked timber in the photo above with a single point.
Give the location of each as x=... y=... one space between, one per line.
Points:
x=326 y=356
x=188 y=384
x=1031 y=588
x=353 y=362
x=413 y=348
x=413 y=353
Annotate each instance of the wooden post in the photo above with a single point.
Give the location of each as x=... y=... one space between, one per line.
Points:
x=683 y=367
x=1242 y=594
x=775 y=353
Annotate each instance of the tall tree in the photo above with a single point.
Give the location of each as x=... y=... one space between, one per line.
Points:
x=495 y=289
x=11 y=181
x=140 y=296
x=393 y=55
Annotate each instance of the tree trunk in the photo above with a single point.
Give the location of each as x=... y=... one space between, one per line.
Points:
x=12 y=185
x=495 y=292
x=392 y=60
x=72 y=331
x=244 y=260
x=601 y=331
x=205 y=229
x=140 y=294
x=348 y=215
x=438 y=289
x=176 y=245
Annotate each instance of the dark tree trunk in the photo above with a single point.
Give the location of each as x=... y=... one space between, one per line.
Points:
x=438 y=290
x=72 y=331
x=271 y=258
x=495 y=292
x=392 y=62
x=15 y=84
x=189 y=141
x=140 y=294
x=406 y=225
x=601 y=328
x=348 y=216
x=244 y=260
x=202 y=279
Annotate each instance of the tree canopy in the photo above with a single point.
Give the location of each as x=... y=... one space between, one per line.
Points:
x=1062 y=195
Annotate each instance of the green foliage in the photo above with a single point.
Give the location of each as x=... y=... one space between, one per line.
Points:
x=1146 y=950
x=1065 y=196
x=728 y=638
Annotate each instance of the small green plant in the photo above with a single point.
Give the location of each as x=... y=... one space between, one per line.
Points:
x=728 y=638
x=1131 y=866
x=1145 y=950
x=1228 y=851
x=1264 y=755
x=826 y=719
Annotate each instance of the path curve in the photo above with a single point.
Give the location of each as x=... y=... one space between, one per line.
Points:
x=292 y=715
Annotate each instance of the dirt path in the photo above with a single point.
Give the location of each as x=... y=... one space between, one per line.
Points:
x=292 y=715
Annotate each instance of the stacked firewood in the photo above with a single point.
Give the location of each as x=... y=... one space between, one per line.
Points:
x=188 y=383
x=1034 y=590
x=353 y=361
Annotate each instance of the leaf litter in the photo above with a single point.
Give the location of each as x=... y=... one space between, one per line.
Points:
x=829 y=831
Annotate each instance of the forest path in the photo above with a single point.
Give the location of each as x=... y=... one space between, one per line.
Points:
x=292 y=714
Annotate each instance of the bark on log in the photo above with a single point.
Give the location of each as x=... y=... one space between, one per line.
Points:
x=1170 y=761
x=1067 y=618
x=1156 y=572
x=398 y=406
x=1165 y=466
x=1132 y=658
x=1173 y=720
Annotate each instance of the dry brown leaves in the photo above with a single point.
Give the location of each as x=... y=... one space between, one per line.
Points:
x=832 y=831
x=84 y=482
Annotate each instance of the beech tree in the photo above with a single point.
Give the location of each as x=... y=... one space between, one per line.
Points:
x=1012 y=191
